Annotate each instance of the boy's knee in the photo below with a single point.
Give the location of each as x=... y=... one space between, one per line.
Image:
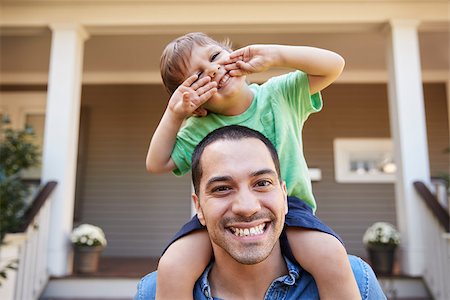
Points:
x=333 y=250
x=323 y=255
x=337 y=259
x=167 y=263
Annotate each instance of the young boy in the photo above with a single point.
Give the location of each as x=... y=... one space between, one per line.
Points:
x=205 y=78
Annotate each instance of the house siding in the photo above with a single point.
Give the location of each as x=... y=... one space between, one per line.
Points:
x=140 y=212
x=350 y=111
x=353 y=111
x=437 y=128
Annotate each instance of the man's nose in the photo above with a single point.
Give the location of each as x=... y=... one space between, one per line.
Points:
x=212 y=70
x=246 y=203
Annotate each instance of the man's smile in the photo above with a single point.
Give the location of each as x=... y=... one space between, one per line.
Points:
x=249 y=231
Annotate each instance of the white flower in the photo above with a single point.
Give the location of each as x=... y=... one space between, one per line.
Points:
x=381 y=233
x=88 y=235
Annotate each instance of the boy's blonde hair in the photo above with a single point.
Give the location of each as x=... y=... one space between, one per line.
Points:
x=174 y=59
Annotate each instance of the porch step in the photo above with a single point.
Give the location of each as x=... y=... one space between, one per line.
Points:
x=91 y=288
x=401 y=287
x=395 y=288
x=116 y=279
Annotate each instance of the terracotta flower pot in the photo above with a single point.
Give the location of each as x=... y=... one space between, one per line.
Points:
x=382 y=258
x=86 y=259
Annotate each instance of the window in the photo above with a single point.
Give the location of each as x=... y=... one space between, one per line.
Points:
x=364 y=160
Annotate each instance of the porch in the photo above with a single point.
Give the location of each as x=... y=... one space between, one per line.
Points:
x=92 y=73
x=118 y=277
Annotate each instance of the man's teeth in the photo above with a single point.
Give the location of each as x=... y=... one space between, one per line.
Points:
x=257 y=230
x=224 y=80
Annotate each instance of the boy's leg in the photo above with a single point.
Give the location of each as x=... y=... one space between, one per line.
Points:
x=179 y=266
x=320 y=251
x=325 y=258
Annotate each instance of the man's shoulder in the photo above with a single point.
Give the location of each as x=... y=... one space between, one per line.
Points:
x=146 y=288
x=366 y=279
x=304 y=285
x=370 y=289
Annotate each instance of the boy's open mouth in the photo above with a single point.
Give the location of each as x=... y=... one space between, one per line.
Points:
x=223 y=80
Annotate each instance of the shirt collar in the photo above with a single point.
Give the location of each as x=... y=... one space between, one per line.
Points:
x=294 y=272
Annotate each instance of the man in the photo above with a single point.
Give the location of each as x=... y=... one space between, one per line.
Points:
x=241 y=199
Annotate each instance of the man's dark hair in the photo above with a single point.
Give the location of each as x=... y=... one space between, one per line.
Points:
x=233 y=133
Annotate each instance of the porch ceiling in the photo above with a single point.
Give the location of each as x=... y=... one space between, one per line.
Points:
x=27 y=52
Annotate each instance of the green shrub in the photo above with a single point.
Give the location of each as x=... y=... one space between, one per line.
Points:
x=17 y=153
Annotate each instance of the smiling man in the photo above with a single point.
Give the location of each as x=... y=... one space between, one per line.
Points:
x=242 y=201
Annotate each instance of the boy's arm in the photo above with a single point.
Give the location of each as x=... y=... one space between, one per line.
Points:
x=159 y=152
x=186 y=99
x=322 y=66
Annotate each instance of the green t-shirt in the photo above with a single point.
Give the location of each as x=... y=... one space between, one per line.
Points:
x=279 y=109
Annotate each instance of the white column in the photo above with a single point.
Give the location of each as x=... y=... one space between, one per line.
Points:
x=61 y=138
x=408 y=129
x=448 y=111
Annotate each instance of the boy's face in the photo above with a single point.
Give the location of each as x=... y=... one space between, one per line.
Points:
x=209 y=61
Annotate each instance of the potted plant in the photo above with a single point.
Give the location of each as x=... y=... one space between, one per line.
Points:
x=381 y=239
x=88 y=241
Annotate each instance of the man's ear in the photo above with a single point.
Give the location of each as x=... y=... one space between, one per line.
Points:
x=286 y=207
x=198 y=208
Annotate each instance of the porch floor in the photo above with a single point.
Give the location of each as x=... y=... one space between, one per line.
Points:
x=124 y=267
x=136 y=267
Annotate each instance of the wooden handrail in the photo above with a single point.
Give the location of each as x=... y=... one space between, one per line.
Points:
x=433 y=204
x=38 y=202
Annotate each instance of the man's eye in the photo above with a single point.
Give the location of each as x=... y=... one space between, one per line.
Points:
x=263 y=183
x=219 y=189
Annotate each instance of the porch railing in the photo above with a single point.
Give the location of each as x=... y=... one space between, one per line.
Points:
x=29 y=245
x=437 y=244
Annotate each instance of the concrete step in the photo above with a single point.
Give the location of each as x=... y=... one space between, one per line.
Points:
x=90 y=288
x=117 y=279
x=95 y=288
x=398 y=287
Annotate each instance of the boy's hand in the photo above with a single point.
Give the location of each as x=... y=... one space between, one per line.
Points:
x=190 y=95
x=250 y=59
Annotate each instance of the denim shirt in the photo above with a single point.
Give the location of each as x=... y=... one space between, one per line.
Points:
x=297 y=284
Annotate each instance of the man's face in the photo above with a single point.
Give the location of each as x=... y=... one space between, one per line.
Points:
x=241 y=201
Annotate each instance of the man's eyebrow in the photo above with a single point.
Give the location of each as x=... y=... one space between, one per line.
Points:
x=264 y=172
x=215 y=179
